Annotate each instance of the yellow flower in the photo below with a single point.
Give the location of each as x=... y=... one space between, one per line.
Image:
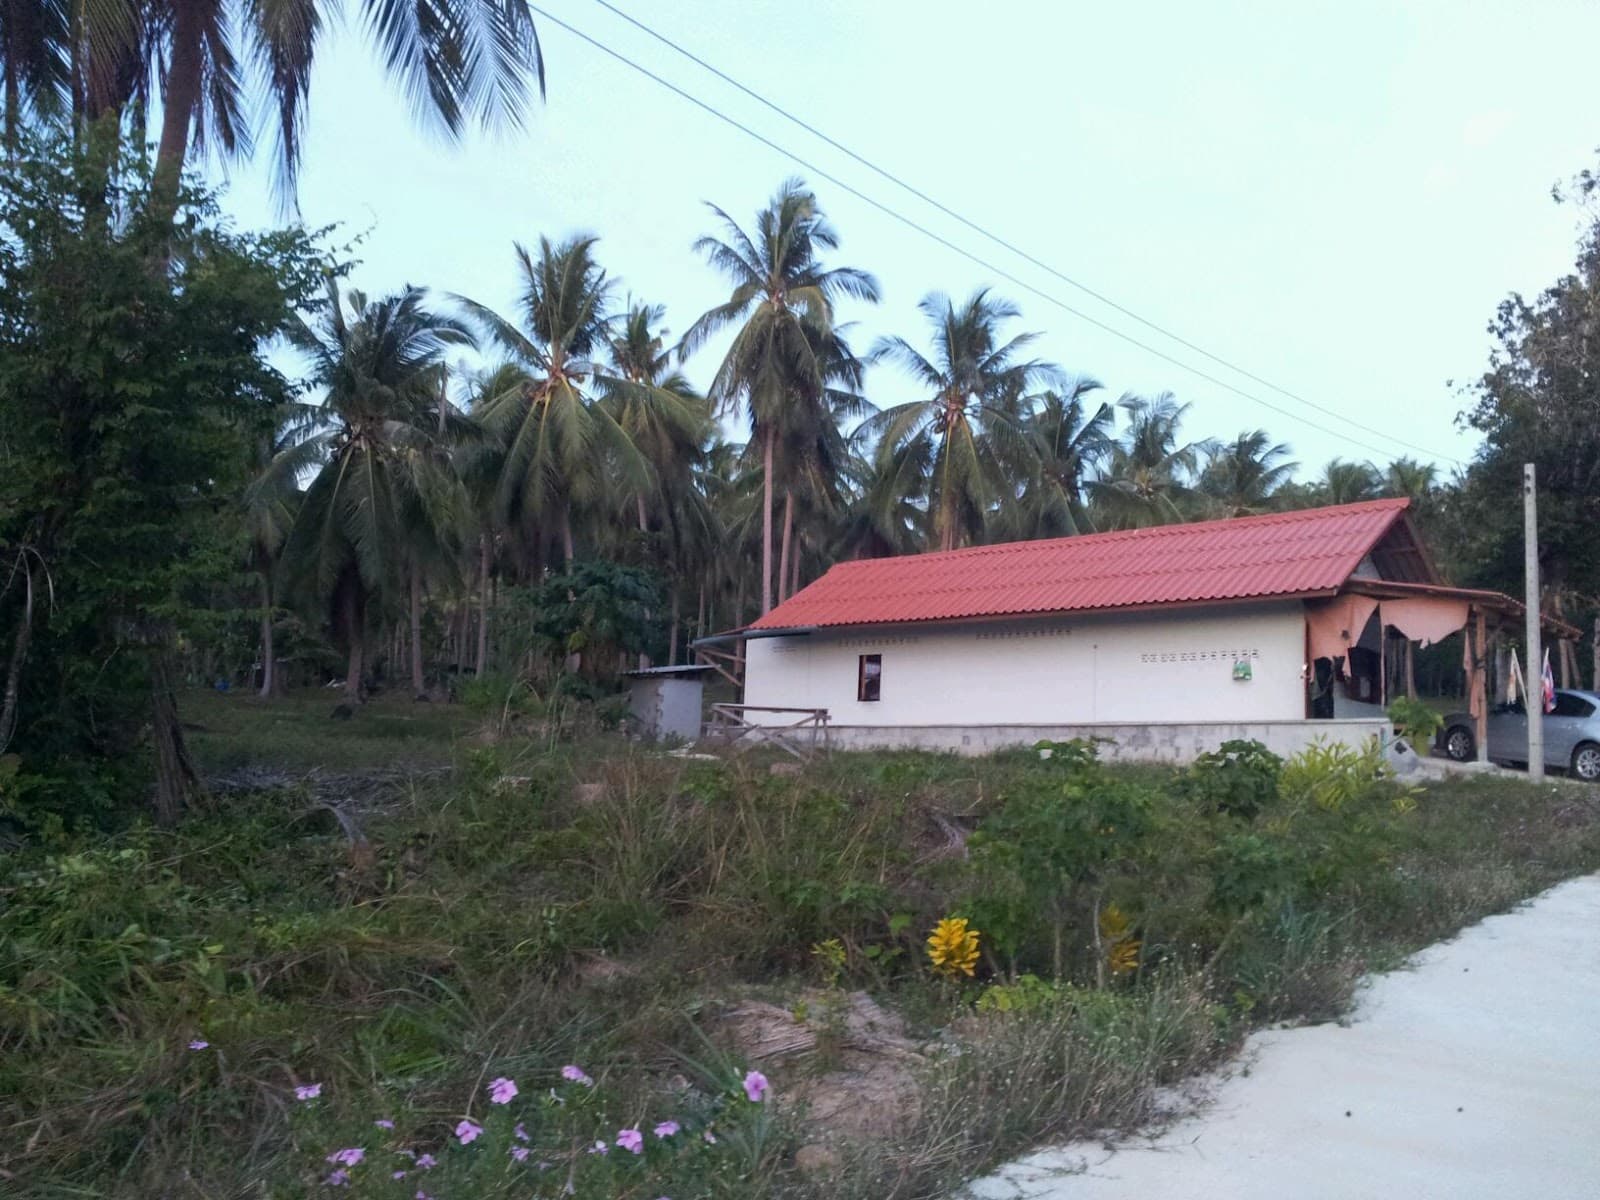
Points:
x=953 y=948
x=1122 y=948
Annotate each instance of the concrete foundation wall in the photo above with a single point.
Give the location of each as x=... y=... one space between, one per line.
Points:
x=1168 y=742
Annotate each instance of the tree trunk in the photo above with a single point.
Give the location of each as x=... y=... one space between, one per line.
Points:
x=1411 y=669
x=178 y=104
x=644 y=517
x=419 y=685
x=268 y=654
x=566 y=538
x=794 y=569
x=355 y=624
x=177 y=783
x=768 y=438
x=483 y=605
x=788 y=538
x=672 y=637
x=19 y=654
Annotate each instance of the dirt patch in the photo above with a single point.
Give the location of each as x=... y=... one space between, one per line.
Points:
x=847 y=1066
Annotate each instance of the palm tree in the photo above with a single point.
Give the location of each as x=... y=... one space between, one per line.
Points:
x=1348 y=482
x=456 y=61
x=559 y=444
x=783 y=302
x=1414 y=480
x=972 y=415
x=378 y=361
x=1241 y=477
x=1065 y=442
x=887 y=513
x=270 y=501
x=1148 y=478
x=656 y=406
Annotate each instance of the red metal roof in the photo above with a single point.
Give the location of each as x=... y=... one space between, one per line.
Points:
x=1281 y=554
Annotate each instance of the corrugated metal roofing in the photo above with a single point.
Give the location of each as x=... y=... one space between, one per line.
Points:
x=1280 y=554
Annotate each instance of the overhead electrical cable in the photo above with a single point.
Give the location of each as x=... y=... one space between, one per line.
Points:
x=955 y=248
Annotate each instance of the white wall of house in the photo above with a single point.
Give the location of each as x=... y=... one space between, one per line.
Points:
x=1173 y=665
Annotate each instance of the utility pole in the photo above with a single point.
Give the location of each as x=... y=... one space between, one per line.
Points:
x=1534 y=700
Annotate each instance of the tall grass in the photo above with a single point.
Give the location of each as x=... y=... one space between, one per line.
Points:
x=599 y=903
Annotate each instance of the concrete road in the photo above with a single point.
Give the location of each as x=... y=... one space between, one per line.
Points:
x=1473 y=1076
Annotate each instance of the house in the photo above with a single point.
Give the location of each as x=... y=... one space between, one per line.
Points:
x=1168 y=641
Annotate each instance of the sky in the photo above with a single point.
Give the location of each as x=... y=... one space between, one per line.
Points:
x=1333 y=197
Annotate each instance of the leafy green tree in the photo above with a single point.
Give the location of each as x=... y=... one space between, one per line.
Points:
x=598 y=613
x=971 y=415
x=378 y=361
x=783 y=302
x=132 y=389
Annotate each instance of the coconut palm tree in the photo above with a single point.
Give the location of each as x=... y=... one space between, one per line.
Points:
x=1414 y=480
x=972 y=414
x=1345 y=482
x=1065 y=442
x=287 y=449
x=656 y=406
x=1148 y=479
x=456 y=61
x=1241 y=477
x=783 y=302
x=561 y=448
x=378 y=363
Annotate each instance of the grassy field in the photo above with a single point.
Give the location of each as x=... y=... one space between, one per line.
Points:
x=399 y=945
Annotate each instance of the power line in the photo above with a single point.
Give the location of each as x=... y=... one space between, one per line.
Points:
x=984 y=232
x=961 y=250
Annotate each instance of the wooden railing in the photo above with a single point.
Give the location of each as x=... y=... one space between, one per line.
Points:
x=730 y=725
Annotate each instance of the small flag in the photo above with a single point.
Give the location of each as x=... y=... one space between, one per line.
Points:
x=1549 y=682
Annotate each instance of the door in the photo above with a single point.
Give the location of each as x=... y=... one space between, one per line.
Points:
x=1563 y=728
x=1508 y=733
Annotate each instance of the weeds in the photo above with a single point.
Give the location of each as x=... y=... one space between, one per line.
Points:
x=597 y=905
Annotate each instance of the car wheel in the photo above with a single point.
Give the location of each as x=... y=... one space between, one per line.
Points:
x=1586 y=762
x=1459 y=744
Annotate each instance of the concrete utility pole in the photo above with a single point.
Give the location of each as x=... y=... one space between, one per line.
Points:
x=1533 y=670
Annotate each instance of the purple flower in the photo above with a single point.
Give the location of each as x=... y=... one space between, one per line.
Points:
x=520 y=1153
x=347 y=1158
x=519 y=1132
x=384 y=1123
x=308 y=1091
x=631 y=1140
x=468 y=1132
x=199 y=1044
x=575 y=1075
x=599 y=1148
x=667 y=1128
x=338 y=1178
x=502 y=1091
x=398 y=1175
x=422 y=1195
x=711 y=1138
x=427 y=1162
x=756 y=1086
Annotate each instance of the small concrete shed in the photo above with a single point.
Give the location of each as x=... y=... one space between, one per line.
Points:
x=666 y=702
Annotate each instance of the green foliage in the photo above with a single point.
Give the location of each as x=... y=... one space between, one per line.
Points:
x=131 y=384
x=1416 y=721
x=1238 y=780
x=598 y=610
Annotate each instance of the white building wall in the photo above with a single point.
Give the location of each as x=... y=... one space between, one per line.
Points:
x=1174 y=665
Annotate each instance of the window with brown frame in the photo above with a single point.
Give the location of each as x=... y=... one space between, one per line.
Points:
x=869 y=676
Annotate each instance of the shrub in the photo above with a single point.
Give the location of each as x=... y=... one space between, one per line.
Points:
x=1238 y=780
x=1415 y=722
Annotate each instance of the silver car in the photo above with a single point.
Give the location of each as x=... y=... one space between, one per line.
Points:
x=1571 y=735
